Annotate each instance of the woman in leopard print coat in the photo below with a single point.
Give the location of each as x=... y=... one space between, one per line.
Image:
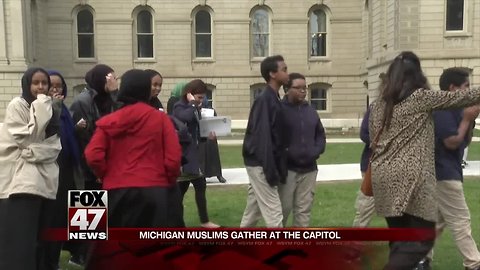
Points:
x=403 y=171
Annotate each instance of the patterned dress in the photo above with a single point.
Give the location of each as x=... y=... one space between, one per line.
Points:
x=403 y=167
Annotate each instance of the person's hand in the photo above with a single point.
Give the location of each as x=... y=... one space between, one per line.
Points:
x=82 y=123
x=112 y=84
x=212 y=135
x=190 y=97
x=471 y=113
x=58 y=96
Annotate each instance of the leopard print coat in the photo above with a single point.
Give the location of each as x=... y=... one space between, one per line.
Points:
x=403 y=168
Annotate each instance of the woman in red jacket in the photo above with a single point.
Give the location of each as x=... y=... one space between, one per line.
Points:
x=136 y=154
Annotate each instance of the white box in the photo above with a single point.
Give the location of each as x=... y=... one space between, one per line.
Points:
x=221 y=125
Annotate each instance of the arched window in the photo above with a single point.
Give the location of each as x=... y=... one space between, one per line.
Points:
x=203 y=34
x=318 y=33
x=255 y=90
x=319 y=96
x=455 y=15
x=260 y=32
x=144 y=33
x=85 y=34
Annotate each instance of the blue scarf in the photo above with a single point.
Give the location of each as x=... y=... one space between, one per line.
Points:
x=68 y=139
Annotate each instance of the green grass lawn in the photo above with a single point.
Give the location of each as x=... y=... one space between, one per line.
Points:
x=335 y=153
x=333 y=207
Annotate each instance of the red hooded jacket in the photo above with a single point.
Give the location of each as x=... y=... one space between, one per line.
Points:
x=136 y=146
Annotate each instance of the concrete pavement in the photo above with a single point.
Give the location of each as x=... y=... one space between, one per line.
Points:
x=334 y=172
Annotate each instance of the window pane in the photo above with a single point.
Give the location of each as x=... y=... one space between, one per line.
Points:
x=84 y=22
x=203 y=45
x=85 y=46
x=319 y=44
x=202 y=22
x=260 y=23
x=455 y=14
x=144 y=22
x=318 y=22
x=318 y=93
x=260 y=45
x=319 y=105
x=209 y=99
x=145 y=45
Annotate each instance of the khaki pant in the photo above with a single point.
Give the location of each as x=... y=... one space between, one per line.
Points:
x=364 y=209
x=454 y=213
x=262 y=201
x=297 y=194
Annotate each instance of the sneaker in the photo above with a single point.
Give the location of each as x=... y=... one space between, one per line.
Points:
x=221 y=179
x=423 y=265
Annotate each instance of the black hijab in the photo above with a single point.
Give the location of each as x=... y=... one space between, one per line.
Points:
x=96 y=79
x=27 y=83
x=135 y=87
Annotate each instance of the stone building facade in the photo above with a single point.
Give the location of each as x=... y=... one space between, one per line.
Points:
x=341 y=46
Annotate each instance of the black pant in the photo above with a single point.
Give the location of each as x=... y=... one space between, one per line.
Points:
x=406 y=255
x=22 y=217
x=200 y=186
x=145 y=207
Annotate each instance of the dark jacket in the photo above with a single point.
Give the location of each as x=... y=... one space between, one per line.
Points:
x=189 y=115
x=265 y=142
x=156 y=103
x=306 y=136
x=365 y=137
x=84 y=107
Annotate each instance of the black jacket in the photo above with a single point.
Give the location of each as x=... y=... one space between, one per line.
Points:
x=189 y=115
x=306 y=136
x=265 y=142
x=83 y=106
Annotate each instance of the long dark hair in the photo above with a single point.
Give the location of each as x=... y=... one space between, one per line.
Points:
x=403 y=77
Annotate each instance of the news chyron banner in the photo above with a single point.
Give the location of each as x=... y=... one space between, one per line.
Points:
x=87 y=215
x=222 y=248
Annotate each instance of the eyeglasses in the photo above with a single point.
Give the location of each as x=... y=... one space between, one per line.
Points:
x=58 y=88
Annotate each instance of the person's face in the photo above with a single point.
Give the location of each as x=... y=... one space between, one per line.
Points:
x=464 y=86
x=157 y=82
x=39 y=84
x=298 y=91
x=281 y=75
x=199 y=98
x=56 y=86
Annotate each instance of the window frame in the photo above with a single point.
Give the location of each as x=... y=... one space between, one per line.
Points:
x=327 y=32
x=194 y=35
x=136 y=34
x=465 y=19
x=77 y=34
x=269 y=33
x=320 y=86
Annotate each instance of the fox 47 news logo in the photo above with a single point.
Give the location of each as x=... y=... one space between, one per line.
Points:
x=87 y=215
